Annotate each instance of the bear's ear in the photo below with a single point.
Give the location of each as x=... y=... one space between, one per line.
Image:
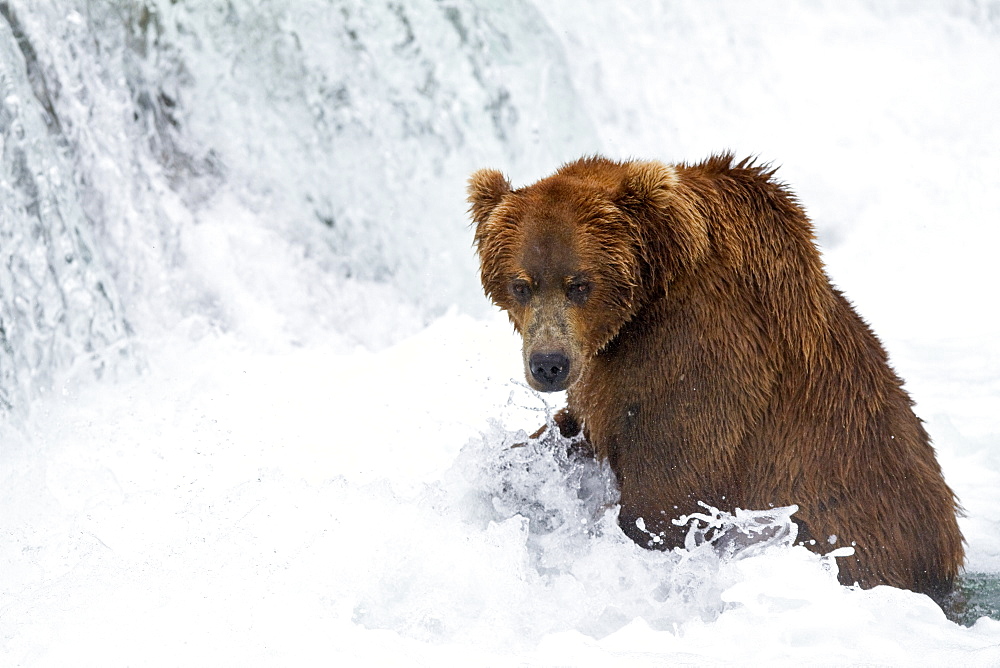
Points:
x=486 y=188
x=676 y=233
x=648 y=184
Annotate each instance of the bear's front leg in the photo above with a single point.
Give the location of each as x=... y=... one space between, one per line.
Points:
x=569 y=429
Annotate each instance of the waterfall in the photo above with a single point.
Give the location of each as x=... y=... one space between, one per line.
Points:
x=340 y=132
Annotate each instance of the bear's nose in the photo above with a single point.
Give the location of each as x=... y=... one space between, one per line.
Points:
x=550 y=370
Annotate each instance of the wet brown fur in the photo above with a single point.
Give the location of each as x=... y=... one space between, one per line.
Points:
x=713 y=361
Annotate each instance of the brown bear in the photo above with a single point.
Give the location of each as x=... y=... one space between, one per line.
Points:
x=708 y=358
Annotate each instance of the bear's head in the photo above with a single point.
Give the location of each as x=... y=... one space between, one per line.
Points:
x=573 y=257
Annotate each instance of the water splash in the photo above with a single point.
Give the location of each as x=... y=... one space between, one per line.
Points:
x=743 y=533
x=537 y=519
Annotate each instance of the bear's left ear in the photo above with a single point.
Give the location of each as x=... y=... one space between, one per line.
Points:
x=676 y=232
x=648 y=185
x=486 y=188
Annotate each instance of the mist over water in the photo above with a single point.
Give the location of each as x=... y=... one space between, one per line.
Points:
x=255 y=410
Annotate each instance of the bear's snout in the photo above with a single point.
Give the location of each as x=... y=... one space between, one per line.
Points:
x=550 y=370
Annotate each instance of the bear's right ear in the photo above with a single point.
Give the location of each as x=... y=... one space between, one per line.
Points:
x=486 y=188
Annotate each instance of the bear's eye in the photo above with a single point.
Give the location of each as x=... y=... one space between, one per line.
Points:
x=578 y=291
x=521 y=290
